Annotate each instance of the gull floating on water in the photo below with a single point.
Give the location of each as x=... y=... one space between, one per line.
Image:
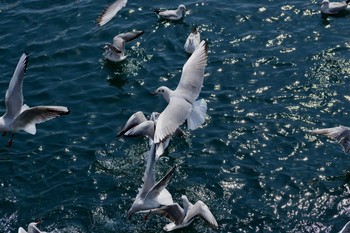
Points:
x=19 y=116
x=172 y=14
x=116 y=52
x=138 y=125
x=152 y=195
x=340 y=133
x=31 y=228
x=331 y=8
x=182 y=105
x=183 y=217
x=110 y=12
x=346 y=228
x=192 y=41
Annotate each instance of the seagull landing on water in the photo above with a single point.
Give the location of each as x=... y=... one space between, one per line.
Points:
x=183 y=217
x=152 y=195
x=19 y=116
x=192 y=41
x=340 y=133
x=31 y=228
x=116 y=52
x=182 y=104
x=331 y=8
x=172 y=14
x=110 y=12
x=138 y=125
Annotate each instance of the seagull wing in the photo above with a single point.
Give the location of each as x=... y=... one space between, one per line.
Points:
x=145 y=128
x=133 y=121
x=192 y=76
x=202 y=211
x=110 y=12
x=148 y=177
x=171 y=118
x=14 y=94
x=173 y=212
x=21 y=230
x=129 y=36
x=340 y=133
x=160 y=185
x=31 y=116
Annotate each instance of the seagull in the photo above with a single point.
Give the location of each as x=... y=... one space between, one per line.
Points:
x=182 y=105
x=346 y=228
x=183 y=217
x=19 y=116
x=31 y=228
x=331 y=8
x=172 y=14
x=110 y=12
x=116 y=52
x=340 y=133
x=138 y=125
x=152 y=195
x=192 y=41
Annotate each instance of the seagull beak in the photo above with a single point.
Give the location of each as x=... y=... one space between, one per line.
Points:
x=154 y=93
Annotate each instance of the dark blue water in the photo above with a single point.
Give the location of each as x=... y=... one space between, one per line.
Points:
x=276 y=70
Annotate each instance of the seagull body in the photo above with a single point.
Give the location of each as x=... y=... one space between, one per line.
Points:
x=172 y=14
x=31 y=228
x=346 y=228
x=331 y=8
x=340 y=133
x=116 y=52
x=182 y=105
x=192 y=41
x=152 y=195
x=138 y=125
x=183 y=217
x=110 y=12
x=19 y=116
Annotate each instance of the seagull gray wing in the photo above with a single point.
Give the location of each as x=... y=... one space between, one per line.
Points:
x=133 y=121
x=129 y=36
x=14 y=94
x=110 y=12
x=21 y=230
x=145 y=128
x=202 y=210
x=168 y=14
x=31 y=116
x=340 y=133
x=173 y=212
x=192 y=76
x=171 y=118
x=160 y=185
x=148 y=177
x=346 y=228
x=119 y=43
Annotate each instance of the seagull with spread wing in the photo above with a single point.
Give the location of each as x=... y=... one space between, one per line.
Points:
x=341 y=134
x=31 y=228
x=110 y=12
x=19 y=116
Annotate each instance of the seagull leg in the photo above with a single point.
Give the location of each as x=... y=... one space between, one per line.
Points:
x=10 y=141
x=146 y=217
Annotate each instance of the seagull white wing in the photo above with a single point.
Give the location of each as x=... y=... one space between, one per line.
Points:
x=160 y=185
x=148 y=177
x=174 y=212
x=21 y=230
x=192 y=76
x=171 y=118
x=31 y=116
x=110 y=12
x=346 y=228
x=14 y=94
x=145 y=128
x=134 y=120
x=340 y=133
x=200 y=209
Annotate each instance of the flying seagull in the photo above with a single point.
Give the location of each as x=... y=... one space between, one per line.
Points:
x=192 y=41
x=19 y=116
x=152 y=195
x=110 y=12
x=138 y=125
x=172 y=14
x=182 y=105
x=31 y=228
x=331 y=8
x=116 y=52
x=183 y=217
x=340 y=133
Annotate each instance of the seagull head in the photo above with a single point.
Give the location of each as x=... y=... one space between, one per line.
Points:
x=325 y=3
x=182 y=8
x=164 y=91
